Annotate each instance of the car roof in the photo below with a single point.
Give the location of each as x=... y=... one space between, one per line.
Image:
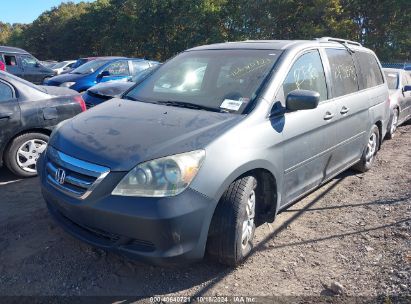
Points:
x=10 y=49
x=280 y=44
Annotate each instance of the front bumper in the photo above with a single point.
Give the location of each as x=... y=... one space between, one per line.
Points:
x=162 y=231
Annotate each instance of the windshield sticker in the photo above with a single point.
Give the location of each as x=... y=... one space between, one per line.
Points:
x=392 y=75
x=232 y=105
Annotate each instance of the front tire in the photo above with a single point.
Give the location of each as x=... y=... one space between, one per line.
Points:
x=23 y=152
x=393 y=125
x=232 y=227
x=370 y=151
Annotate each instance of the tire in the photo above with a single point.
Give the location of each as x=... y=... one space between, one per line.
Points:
x=232 y=227
x=370 y=151
x=23 y=152
x=393 y=124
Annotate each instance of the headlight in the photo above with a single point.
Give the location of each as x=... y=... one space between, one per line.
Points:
x=67 y=84
x=167 y=176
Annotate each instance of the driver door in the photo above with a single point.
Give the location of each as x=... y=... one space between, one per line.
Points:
x=9 y=113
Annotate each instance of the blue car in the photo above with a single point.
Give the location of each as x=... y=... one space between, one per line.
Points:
x=100 y=70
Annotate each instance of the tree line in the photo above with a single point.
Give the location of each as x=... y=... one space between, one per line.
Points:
x=159 y=29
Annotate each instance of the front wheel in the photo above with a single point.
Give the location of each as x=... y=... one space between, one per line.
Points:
x=393 y=125
x=370 y=151
x=232 y=227
x=23 y=152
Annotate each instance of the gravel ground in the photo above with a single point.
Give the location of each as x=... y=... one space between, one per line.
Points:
x=352 y=236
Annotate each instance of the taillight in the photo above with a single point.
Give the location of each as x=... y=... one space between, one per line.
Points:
x=81 y=102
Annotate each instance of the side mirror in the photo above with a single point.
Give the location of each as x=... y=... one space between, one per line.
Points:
x=37 y=65
x=104 y=74
x=406 y=88
x=302 y=100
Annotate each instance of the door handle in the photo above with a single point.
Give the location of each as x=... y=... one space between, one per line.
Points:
x=6 y=115
x=328 y=115
x=344 y=110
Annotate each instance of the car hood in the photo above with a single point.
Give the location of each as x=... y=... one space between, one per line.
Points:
x=120 y=134
x=69 y=77
x=111 y=89
x=58 y=91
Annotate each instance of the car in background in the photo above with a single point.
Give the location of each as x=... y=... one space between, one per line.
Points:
x=215 y=142
x=28 y=114
x=107 y=90
x=62 y=66
x=399 y=85
x=24 y=65
x=102 y=69
x=48 y=63
x=79 y=62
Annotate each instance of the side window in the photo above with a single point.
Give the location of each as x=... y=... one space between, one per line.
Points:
x=6 y=92
x=307 y=73
x=28 y=61
x=118 y=68
x=404 y=80
x=370 y=71
x=343 y=73
x=139 y=66
x=10 y=60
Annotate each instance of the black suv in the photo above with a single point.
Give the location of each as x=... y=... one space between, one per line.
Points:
x=22 y=64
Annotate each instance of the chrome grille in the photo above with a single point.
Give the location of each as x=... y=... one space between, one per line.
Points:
x=73 y=176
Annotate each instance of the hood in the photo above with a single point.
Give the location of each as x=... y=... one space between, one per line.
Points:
x=120 y=134
x=111 y=89
x=58 y=91
x=66 y=78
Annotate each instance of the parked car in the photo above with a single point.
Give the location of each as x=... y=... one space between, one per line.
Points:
x=399 y=84
x=99 y=70
x=79 y=62
x=216 y=141
x=104 y=91
x=62 y=66
x=28 y=114
x=22 y=64
x=48 y=63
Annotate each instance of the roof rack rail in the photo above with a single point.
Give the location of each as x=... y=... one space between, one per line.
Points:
x=331 y=39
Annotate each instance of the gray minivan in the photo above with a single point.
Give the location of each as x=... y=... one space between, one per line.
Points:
x=215 y=142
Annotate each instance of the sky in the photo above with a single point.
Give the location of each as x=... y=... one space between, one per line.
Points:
x=26 y=11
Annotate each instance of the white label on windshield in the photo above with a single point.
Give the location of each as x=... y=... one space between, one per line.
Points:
x=232 y=105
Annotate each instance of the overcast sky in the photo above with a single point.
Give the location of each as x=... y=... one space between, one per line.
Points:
x=26 y=11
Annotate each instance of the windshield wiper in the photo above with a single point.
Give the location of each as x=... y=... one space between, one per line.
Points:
x=188 y=105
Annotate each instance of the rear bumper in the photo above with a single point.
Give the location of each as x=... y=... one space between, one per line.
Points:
x=162 y=231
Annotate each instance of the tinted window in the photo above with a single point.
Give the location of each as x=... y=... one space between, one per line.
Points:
x=118 y=68
x=371 y=74
x=343 y=73
x=28 y=61
x=5 y=92
x=10 y=60
x=307 y=73
x=392 y=79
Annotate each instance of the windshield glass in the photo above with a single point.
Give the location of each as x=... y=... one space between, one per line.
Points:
x=392 y=79
x=220 y=80
x=59 y=65
x=90 y=67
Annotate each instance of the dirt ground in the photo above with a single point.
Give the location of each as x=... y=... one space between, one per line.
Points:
x=353 y=233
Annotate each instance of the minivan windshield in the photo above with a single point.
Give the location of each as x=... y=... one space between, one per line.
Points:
x=392 y=79
x=90 y=67
x=214 y=80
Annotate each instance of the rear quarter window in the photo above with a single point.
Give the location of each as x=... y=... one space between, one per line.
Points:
x=371 y=74
x=343 y=73
x=6 y=93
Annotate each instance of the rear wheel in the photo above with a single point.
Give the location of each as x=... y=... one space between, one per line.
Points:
x=232 y=228
x=23 y=152
x=393 y=125
x=370 y=151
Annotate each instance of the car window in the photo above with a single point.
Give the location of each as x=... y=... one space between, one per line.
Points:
x=118 y=68
x=404 y=80
x=10 y=60
x=139 y=66
x=371 y=74
x=392 y=79
x=28 y=61
x=307 y=73
x=6 y=93
x=90 y=67
x=343 y=72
